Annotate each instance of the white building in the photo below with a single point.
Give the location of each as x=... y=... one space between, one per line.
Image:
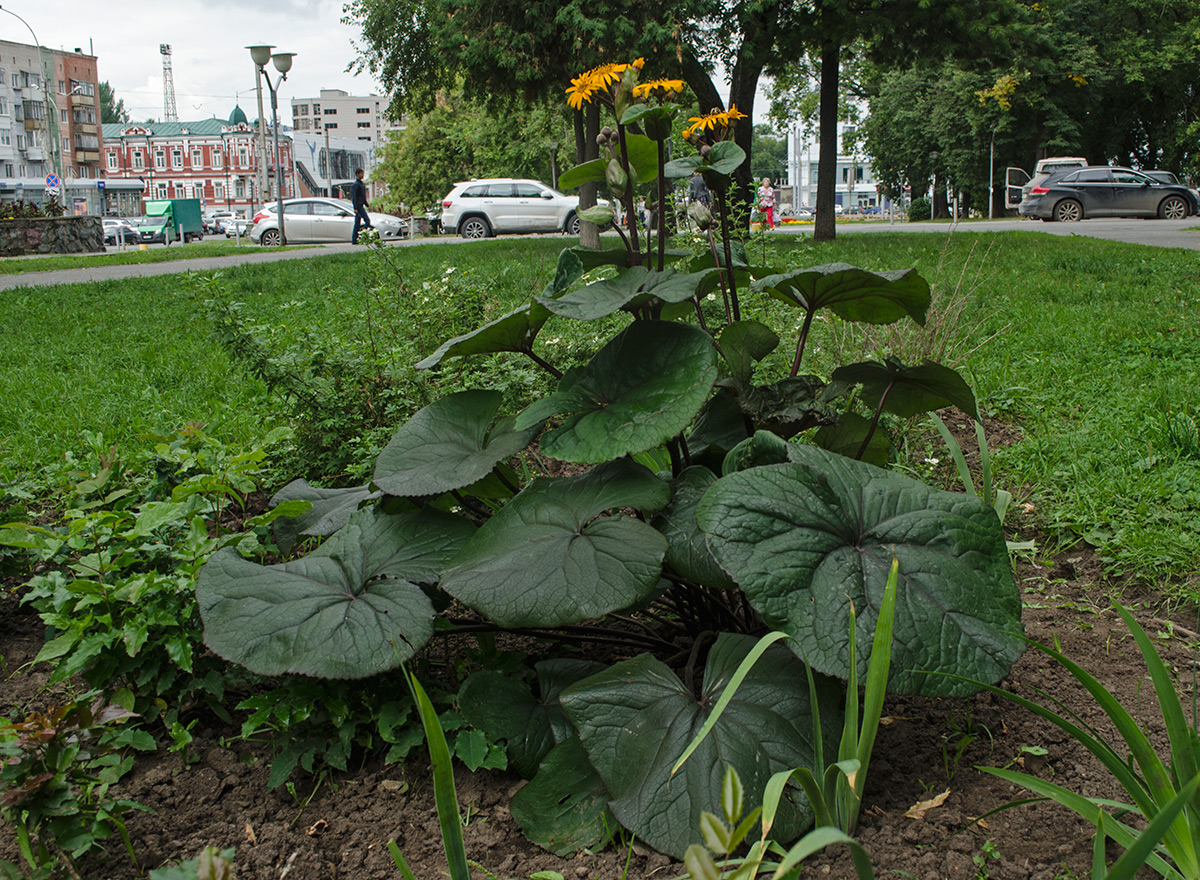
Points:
x=856 y=186
x=346 y=116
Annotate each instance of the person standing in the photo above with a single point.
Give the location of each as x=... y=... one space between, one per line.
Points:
x=766 y=202
x=698 y=190
x=358 y=197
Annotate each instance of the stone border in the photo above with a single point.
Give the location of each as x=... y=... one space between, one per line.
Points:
x=51 y=235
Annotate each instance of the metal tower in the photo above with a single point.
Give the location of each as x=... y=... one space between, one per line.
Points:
x=169 y=111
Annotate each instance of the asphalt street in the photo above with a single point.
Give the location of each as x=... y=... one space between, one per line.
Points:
x=1156 y=233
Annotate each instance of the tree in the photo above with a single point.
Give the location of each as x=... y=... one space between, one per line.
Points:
x=112 y=109
x=768 y=153
x=513 y=47
x=461 y=138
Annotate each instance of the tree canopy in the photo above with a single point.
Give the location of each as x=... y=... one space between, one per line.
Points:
x=112 y=109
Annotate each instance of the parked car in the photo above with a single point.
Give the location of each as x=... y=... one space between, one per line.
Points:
x=1106 y=191
x=318 y=221
x=1019 y=182
x=152 y=230
x=482 y=208
x=117 y=229
x=215 y=222
x=235 y=227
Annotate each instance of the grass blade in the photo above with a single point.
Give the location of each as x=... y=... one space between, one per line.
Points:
x=726 y=695
x=401 y=865
x=443 y=785
x=817 y=840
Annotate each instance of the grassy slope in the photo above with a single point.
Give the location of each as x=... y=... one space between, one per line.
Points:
x=1090 y=345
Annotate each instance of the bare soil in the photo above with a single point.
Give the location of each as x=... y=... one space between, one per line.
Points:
x=926 y=748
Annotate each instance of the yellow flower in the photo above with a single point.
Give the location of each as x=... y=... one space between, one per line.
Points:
x=596 y=80
x=711 y=121
x=663 y=88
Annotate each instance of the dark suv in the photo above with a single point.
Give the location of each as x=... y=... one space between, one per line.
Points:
x=1106 y=191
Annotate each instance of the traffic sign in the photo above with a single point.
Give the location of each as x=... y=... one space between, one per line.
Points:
x=100 y=184
x=51 y=180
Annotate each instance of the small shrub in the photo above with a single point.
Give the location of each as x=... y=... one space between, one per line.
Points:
x=920 y=209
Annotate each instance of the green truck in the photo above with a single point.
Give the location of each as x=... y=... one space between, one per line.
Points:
x=169 y=220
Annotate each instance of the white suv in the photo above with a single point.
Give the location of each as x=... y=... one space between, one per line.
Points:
x=482 y=208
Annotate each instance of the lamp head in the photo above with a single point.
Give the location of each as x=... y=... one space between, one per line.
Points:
x=283 y=61
x=260 y=55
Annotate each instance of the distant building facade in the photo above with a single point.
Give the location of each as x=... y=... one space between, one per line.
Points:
x=49 y=124
x=351 y=117
x=212 y=160
x=856 y=188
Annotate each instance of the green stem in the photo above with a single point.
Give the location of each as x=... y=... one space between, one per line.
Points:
x=874 y=423
x=808 y=319
x=630 y=209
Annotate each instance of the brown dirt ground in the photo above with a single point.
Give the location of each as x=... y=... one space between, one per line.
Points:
x=342 y=831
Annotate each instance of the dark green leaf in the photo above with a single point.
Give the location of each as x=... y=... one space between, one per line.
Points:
x=331 y=509
x=588 y=172
x=852 y=294
x=351 y=608
x=639 y=391
x=688 y=553
x=807 y=539
x=549 y=558
x=847 y=436
x=564 y=807
x=745 y=343
x=636 y=718
x=515 y=331
x=910 y=390
x=601 y=298
x=447 y=445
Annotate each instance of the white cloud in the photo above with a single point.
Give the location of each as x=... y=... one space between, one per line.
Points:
x=210 y=65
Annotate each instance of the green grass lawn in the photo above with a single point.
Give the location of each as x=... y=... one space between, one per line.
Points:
x=1090 y=348
x=209 y=247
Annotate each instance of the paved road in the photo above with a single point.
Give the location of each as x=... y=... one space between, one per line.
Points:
x=1158 y=233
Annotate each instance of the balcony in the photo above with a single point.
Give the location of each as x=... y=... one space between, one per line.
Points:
x=35 y=154
x=32 y=124
x=87 y=157
x=82 y=101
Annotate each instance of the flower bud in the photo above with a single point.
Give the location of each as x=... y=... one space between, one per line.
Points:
x=705 y=149
x=700 y=215
x=616 y=176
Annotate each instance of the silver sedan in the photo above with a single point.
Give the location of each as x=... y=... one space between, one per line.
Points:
x=318 y=221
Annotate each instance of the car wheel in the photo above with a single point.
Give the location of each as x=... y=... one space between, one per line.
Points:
x=270 y=238
x=475 y=227
x=1068 y=211
x=1173 y=208
x=573 y=225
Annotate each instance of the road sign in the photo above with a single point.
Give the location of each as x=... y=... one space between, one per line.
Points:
x=51 y=180
x=100 y=185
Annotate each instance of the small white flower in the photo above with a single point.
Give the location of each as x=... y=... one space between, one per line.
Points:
x=711 y=297
x=931 y=461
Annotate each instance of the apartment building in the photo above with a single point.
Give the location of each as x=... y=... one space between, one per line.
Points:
x=49 y=124
x=351 y=117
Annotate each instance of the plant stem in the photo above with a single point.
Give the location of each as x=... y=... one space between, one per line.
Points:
x=548 y=367
x=662 y=205
x=630 y=211
x=808 y=319
x=874 y=422
x=724 y=211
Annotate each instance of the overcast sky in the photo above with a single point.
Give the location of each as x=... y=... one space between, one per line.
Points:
x=211 y=67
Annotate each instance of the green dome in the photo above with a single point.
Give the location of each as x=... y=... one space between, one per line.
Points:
x=237 y=117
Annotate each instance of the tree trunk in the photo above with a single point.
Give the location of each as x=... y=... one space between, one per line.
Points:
x=940 y=209
x=587 y=127
x=825 y=223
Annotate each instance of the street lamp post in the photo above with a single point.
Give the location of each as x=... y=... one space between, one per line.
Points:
x=283 y=63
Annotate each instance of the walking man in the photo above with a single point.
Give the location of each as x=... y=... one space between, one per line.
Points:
x=358 y=196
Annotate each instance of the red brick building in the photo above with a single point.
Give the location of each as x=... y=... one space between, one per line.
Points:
x=212 y=160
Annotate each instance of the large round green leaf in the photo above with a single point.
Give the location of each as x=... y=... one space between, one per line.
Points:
x=350 y=609
x=447 y=445
x=549 y=558
x=852 y=294
x=909 y=391
x=601 y=298
x=636 y=718
x=640 y=390
x=808 y=538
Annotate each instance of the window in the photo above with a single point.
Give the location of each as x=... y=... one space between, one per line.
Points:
x=20 y=142
x=160 y=159
x=363 y=110
x=8 y=169
x=112 y=160
x=66 y=144
x=331 y=111
x=62 y=116
x=137 y=160
x=218 y=157
x=329 y=125
x=243 y=160
x=176 y=158
x=316 y=109
x=218 y=190
x=84 y=87
x=3 y=106
x=300 y=110
x=62 y=87
x=160 y=190
x=364 y=125
x=239 y=189
x=197 y=158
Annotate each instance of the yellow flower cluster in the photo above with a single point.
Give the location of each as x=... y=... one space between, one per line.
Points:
x=661 y=88
x=711 y=121
x=595 y=80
